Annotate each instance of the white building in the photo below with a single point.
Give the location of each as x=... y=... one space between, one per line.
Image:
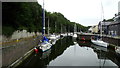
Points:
x=93 y=29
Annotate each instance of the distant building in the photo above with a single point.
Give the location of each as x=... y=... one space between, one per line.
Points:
x=93 y=29
x=111 y=27
x=114 y=28
x=103 y=25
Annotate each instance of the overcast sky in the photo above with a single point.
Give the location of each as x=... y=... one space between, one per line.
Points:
x=85 y=12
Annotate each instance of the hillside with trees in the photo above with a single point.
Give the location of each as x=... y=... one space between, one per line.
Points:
x=28 y=16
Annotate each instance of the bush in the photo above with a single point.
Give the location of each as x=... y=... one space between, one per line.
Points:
x=7 y=30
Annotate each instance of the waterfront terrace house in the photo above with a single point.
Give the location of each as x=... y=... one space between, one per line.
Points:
x=114 y=28
x=93 y=29
x=104 y=25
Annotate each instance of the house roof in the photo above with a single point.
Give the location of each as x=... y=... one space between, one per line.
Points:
x=114 y=23
x=106 y=23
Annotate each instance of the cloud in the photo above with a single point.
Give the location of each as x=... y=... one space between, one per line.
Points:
x=85 y=12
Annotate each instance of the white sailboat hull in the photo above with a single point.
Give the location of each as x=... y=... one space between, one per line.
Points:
x=53 y=42
x=52 y=37
x=75 y=35
x=99 y=42
x=117 y=49
x=57 y=37
x=45 y=46
x=64 y=35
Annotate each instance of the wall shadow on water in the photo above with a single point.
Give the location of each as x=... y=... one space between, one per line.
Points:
x=102 y=53
x=42 y=60
x=106 y=54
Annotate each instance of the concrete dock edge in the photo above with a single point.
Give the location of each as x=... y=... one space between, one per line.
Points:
x=17 y=62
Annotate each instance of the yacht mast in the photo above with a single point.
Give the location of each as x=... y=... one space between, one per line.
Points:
x=48 y=27
x=43 y=19
x=102 y=18
x=75 y=28
x=61 y=28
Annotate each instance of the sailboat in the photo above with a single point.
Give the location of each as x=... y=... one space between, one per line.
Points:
x=45 y=44
x=75 y=35
x=53 y=36
x=117 y=49
x=97 y=41
x=62 y=34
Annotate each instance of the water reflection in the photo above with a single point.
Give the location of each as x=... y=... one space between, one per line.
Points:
x=70 y=52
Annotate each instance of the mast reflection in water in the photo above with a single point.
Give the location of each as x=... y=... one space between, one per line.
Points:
x=69 y=52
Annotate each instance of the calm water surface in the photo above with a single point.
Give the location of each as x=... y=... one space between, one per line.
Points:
x=69 y=52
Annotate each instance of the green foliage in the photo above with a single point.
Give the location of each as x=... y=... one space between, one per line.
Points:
x=21 y=15
x=28 y=15
x=7 y=30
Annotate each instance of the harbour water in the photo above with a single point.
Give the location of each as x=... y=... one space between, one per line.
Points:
x=70 y=52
